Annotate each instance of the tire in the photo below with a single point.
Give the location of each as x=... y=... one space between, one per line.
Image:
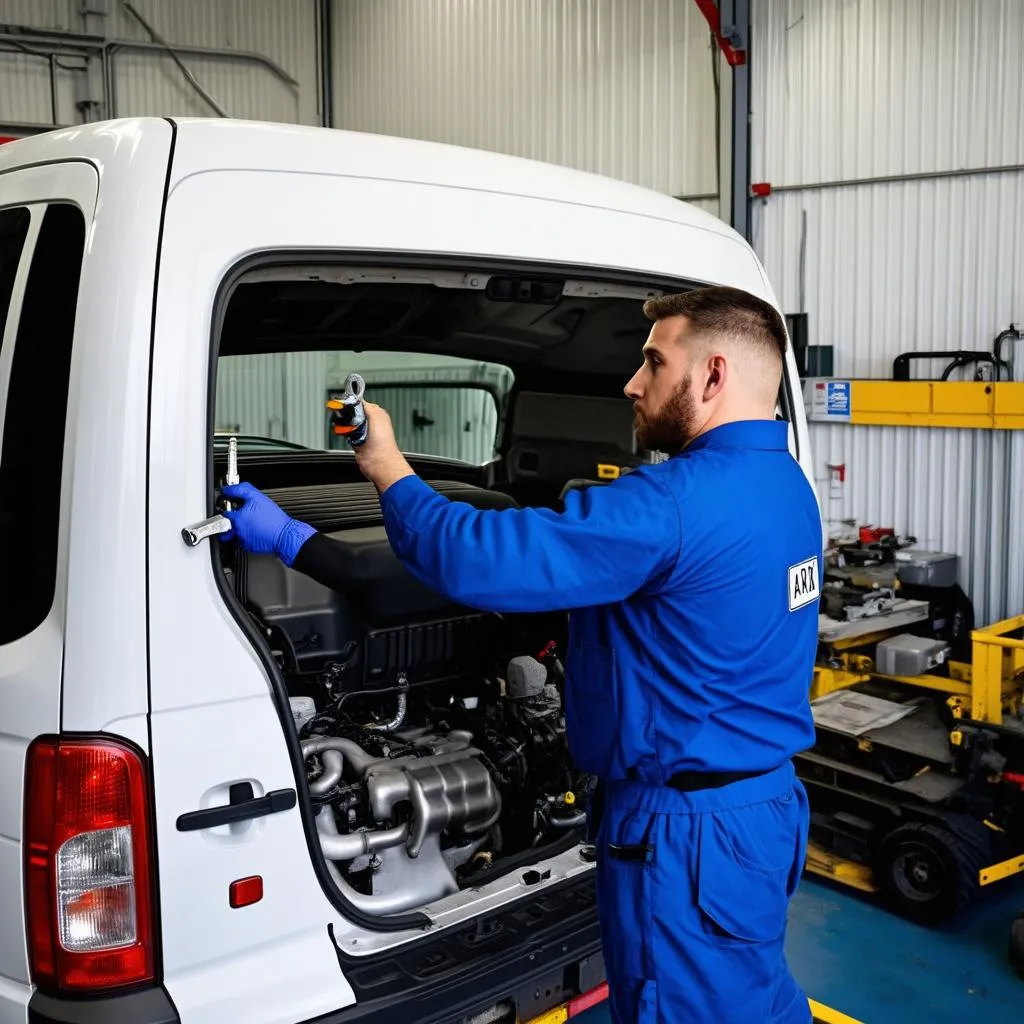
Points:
x=1017 y=945
x=929 y=873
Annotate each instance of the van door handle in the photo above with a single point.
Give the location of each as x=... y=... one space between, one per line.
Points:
x=242 y=807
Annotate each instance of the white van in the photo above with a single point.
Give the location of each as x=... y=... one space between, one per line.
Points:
x=230 y=793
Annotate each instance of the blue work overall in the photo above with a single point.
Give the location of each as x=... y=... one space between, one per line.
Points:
x=693 y=589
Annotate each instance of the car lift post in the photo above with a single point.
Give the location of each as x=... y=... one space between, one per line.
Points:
x=730 y=24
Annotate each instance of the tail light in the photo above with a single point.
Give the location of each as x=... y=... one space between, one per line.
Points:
x=88 y=875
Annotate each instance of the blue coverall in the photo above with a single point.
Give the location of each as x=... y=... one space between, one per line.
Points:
x=693 y=586
x=693 y=590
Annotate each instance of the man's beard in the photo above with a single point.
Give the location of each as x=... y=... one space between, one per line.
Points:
x=671 y=427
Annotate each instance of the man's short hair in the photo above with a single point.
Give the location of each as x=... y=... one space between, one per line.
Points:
x=727 y=312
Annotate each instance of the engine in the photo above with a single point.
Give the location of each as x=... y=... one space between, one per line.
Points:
x=434 y=744
x=413 y=808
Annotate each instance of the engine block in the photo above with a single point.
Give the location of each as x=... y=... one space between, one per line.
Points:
x=449 y=792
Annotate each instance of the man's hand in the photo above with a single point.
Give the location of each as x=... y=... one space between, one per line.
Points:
x=379 y=456
x=261 y=526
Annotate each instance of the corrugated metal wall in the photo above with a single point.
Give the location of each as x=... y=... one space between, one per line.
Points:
x=953 y=490
x=617 y=87
x=455 y=423
x=280 y=395
x=149 y=82
x=866 y=89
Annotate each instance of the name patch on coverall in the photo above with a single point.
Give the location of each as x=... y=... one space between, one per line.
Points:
x=803 y=583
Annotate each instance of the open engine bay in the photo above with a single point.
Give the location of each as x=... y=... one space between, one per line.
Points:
x=433 y=735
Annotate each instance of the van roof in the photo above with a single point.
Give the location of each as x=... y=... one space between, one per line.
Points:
x=208 y=144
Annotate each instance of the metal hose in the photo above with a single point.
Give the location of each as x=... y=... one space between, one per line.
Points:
x=397 y=720
x=420 y=890
x=333 y=764
x=358 y=758
x=355 y=844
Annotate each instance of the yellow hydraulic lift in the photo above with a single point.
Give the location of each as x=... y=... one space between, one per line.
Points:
x=987 y=691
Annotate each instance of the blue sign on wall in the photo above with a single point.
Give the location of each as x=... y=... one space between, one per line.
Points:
x=838 y=398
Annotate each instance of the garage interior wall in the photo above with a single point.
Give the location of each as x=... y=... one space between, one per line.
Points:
x=623 y=88
x=927 y=96
x=266 y=64
x=889 y=130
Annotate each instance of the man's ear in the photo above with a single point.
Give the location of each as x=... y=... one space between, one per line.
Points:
x=715 y=368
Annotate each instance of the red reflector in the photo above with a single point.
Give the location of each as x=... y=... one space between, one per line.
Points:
x=761 y=189
x=87 y=843
x=588 y=1000
x=245 y=891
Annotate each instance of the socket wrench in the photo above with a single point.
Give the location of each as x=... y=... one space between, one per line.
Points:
x=192 y=535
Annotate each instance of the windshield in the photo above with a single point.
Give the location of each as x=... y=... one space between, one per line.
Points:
x=439 y=405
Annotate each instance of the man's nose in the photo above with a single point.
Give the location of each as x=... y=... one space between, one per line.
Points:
x=633 y=391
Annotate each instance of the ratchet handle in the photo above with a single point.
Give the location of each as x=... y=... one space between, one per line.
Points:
x=348 y=416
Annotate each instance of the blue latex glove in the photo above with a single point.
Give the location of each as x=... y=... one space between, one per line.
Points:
x=262 y=526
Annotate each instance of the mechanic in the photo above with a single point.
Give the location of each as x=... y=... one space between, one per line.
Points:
x=692 y=586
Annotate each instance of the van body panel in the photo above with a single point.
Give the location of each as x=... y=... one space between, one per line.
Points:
x=30 y=666
x=106 y=664
x=209 y=143
x=410 y=217
x=213 y=721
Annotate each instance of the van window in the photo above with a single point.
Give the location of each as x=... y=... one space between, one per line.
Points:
x=439 y=405
x=34 y=421
x=13 y=229
x=443 y=348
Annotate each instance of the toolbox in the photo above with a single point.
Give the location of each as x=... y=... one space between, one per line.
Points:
x=927 y=568
x=907 y=655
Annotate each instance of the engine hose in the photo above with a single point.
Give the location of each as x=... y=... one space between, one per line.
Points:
x=570 y=821
x=400 y=900
x=334 y=764
x=358 y=758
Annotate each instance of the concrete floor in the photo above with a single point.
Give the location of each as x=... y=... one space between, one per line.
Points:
x=879 y=969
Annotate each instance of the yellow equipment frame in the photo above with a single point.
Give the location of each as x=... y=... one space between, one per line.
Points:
x=990 y=686
x=977 y=405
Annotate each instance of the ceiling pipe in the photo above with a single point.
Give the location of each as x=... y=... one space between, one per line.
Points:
x=81 y=43
x=172 y=53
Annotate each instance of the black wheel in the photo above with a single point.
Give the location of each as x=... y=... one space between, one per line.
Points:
x=1017 y=945
x=930 y=873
